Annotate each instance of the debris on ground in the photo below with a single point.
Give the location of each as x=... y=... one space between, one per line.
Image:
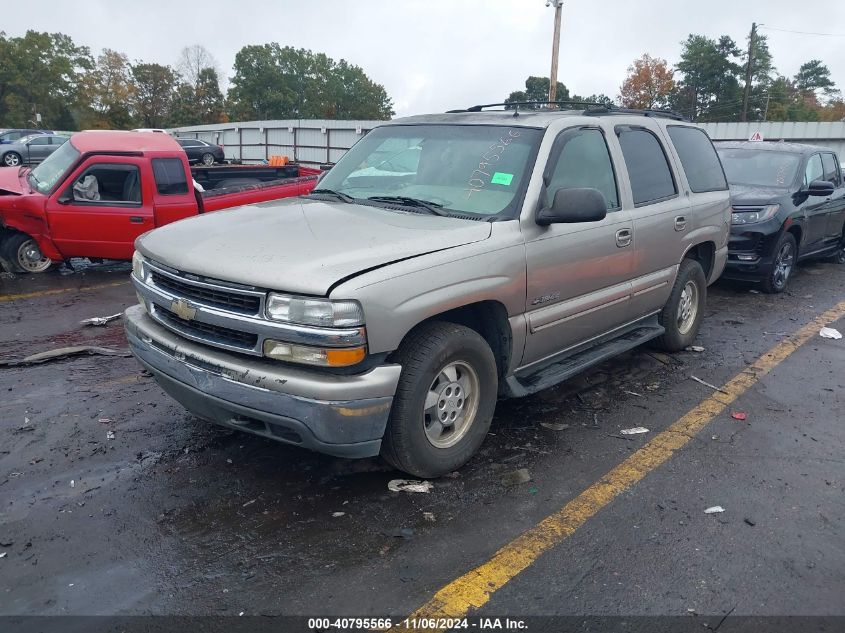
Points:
x=714 y=510
x=3 y=555
x=249 y=503
x=409 y=485
x=749 y=522
x=739 y=415
x=64 y=352
x=829 y=332
x=634 y=393
x=519 y=476
x=554 y=426
x=695 y=348
x=533 y=490
x=109 y=435
x=405 y=533
x=634 y=431
x=101 y=320
x=338 y=514
x=707 y=384
x=754 y=292
x=429 y=516
x=72 y=483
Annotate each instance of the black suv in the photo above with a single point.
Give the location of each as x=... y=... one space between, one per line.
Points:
x=788 y=205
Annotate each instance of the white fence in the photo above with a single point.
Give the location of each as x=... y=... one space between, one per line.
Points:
x=301 y=140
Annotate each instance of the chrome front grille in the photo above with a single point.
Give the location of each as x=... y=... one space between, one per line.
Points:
x=227 y=315
x=207 y=331
x=208 y=294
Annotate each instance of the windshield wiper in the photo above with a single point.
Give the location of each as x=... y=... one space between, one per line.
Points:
x=432 y=207
x=331 y=192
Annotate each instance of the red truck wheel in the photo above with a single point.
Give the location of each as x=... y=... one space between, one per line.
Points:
x=22 y=255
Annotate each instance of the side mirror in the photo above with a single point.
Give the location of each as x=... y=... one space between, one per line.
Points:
x=574 y=205
x=821 y=188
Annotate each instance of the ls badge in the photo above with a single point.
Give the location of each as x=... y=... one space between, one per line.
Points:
x=183 y=310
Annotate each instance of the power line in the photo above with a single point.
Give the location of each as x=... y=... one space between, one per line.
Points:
x=772 y=28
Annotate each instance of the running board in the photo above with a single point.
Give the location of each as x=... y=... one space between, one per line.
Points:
x=550 y=375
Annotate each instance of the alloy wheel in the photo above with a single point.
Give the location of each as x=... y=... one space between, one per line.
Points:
x=451 y=404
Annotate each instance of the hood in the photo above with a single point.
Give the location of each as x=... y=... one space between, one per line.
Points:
x=747 y=195
x=10 y=183
x=302 y=246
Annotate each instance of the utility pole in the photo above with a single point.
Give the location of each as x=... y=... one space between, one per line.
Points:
x=748 y=72
x=558 y=5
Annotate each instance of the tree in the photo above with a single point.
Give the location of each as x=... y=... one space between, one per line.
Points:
x=109 y=91
x=193 y=60
x=709 y=89
x=814 y=77
x=208 y=98
x=41 y=73
x=648 y=84
x=275 y=82
x=537 y=89
x=155 y=86
x=762 y=70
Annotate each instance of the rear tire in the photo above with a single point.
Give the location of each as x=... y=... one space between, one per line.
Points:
x=444 y=401
x=682 y=314
x=784 y=258
x=22 y=255
x=207 y=159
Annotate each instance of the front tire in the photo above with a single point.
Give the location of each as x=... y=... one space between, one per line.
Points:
x=11 y=159
x=682 y=314
x=22 y=254
x=785 y=254
x=207 y=159
x=444 y=401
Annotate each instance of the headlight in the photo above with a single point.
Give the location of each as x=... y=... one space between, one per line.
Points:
x=753 y=217
x=319 y=312
x=322 y=357
x=139 y=266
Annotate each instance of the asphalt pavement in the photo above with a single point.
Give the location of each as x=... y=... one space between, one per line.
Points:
x=116 y=501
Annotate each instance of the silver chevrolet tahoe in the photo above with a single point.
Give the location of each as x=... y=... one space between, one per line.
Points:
x=446 y=261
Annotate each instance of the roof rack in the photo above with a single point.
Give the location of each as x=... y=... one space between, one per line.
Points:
x=479 y=108
x=592 y=108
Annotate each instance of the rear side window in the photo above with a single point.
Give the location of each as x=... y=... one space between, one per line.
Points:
x=831 y=169
x=698 y=158
x=170 y=176
x=648 y=168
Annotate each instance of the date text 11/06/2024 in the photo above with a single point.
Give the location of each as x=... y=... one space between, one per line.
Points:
x=410 y=624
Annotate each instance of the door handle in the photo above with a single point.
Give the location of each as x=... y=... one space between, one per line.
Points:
x=680 y=223
x=623 y=238
x=136 y=219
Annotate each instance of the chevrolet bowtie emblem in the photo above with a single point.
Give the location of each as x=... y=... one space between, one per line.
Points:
x=183 y=309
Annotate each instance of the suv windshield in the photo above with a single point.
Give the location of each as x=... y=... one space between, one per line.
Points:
x=758 y=167
x=466 y=169
x=44 y=177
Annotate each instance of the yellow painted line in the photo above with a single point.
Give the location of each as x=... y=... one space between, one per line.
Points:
x=472 y=590
x=59 y=291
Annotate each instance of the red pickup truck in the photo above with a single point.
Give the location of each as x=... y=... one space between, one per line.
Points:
x=99 y=191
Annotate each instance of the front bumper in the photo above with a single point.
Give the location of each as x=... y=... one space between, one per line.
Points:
x=334 y=414
x=750 y=252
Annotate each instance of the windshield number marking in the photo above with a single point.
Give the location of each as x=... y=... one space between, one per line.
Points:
x=477 y=184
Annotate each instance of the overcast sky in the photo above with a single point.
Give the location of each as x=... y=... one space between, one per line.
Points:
x=434 y=55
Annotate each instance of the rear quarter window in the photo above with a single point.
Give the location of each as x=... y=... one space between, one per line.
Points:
x=698 y=158
x=170 y=176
